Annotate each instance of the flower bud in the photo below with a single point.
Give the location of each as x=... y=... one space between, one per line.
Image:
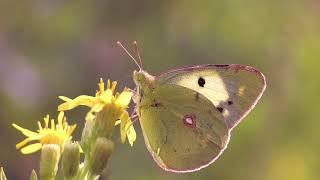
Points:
x=106 y=119
x=70 y=160
x=87 y=135
x=100 y=154
x=33 y=175
x=50 y=156
x=101 y=126
x=2 y=174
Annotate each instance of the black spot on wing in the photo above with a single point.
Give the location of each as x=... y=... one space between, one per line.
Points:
x=174 y=150
x=220 y=109
x=230 y=102
x=156 y=104
x=201 y=82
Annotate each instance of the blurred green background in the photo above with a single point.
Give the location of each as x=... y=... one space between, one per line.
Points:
x=50 y=48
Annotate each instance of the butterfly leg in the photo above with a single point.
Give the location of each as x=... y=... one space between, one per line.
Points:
x=134 y=116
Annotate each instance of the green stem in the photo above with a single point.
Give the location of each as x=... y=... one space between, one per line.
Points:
x=84 y=170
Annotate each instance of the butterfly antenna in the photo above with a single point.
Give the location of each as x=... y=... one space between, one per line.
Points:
x=125 y=50
x=135 y=44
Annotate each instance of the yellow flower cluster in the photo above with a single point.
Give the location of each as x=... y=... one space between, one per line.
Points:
x=106 y=97
x=55 y=134
x=61 y=132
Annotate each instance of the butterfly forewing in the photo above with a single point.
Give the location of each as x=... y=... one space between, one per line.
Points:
x=182 y=129
x=233 y=89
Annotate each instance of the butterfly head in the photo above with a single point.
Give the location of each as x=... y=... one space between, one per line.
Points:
x=143 y=79
x=144 y=83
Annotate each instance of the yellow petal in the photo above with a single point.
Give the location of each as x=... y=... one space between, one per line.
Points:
x=127 y=128
x=123 y=133
x=80 y=149
x=60 y=118
x=46 y=121
x=97 y=107
x=39 y=126
x=101 y=85
x=124 y=99
x=31 y=148
x=131 y=134
x=113 y=86
x=124 y=118
x=83 y=100
x=22 y=143
x=24 y=131
x=108 y=84
x=71 y=129
x=65 y=98
x=52 y=124
x=106 y=96
x=117 y=123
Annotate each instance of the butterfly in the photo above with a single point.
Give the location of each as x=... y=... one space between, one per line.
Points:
x=187 y=114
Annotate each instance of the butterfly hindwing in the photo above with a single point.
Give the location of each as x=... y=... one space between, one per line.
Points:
x=182 y=129
x=233 y=89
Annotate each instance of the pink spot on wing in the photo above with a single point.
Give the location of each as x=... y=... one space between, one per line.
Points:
x=189 y=120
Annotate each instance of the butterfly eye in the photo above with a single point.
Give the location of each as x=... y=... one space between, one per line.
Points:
x=201 y=82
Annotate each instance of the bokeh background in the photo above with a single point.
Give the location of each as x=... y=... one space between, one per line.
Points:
x=50 y=48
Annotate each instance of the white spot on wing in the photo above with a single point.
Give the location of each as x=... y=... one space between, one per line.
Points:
x=226 y=113
x=214 y=88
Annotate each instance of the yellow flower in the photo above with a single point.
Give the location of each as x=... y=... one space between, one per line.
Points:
x=111 y=101
x=126 y=129
x=55 y=134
